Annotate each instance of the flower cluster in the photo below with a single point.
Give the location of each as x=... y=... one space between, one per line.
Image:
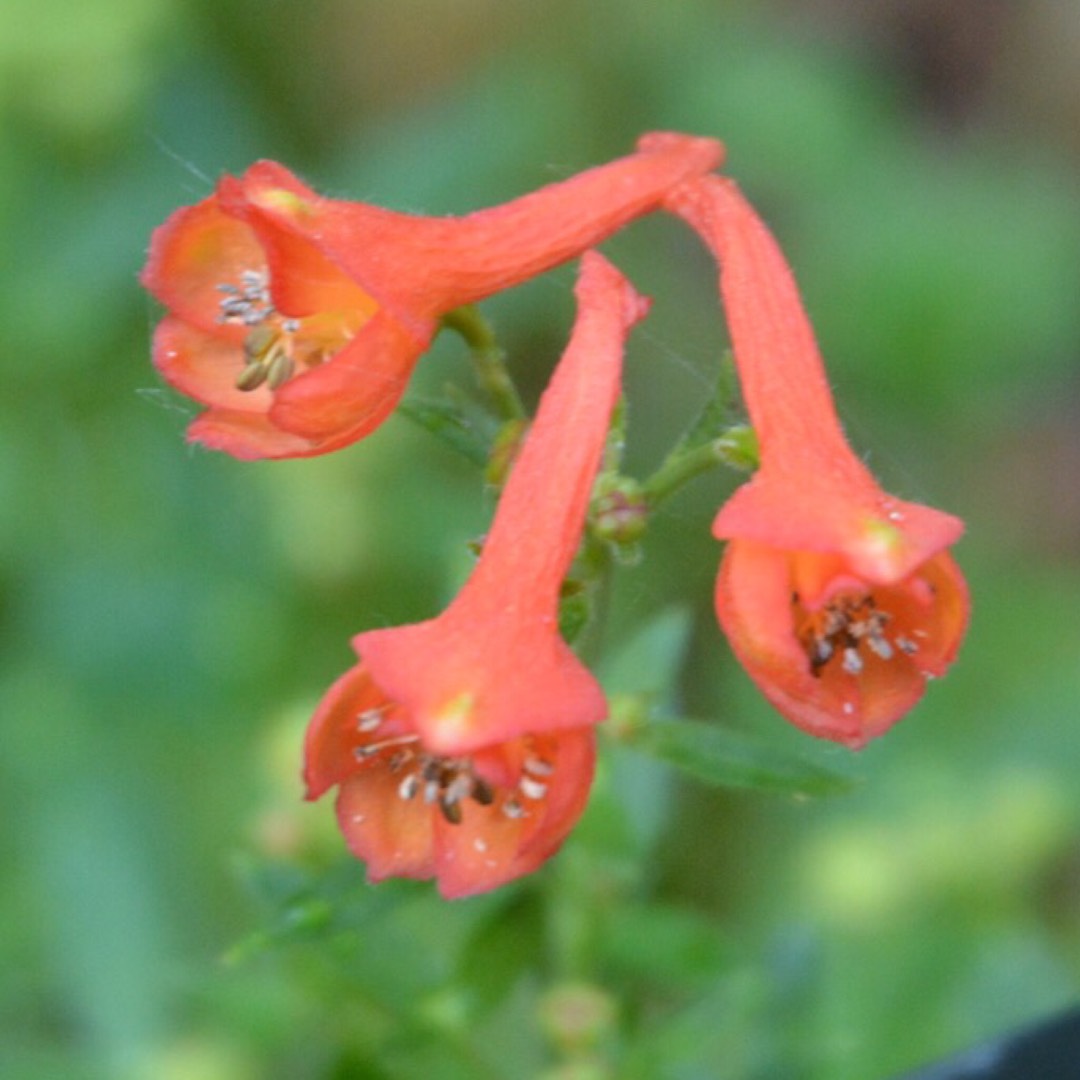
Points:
x=463 y=747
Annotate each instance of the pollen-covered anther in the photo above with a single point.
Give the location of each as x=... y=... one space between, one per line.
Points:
x=270 y=348
x=439 y=781
x=842 y=627
x=249 y=302
x=369 y=720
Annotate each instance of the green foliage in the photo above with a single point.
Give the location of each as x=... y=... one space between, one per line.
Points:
x=727 y=759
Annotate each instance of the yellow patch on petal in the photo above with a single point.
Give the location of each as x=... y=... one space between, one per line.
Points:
x=283 y=201
x=453 y=721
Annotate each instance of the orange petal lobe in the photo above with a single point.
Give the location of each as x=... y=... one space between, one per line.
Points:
x=205 y=366
x=197 y=249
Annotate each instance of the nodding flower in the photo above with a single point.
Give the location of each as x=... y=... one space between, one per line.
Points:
x=839 y=600
x=463 y=746
x=297 y=319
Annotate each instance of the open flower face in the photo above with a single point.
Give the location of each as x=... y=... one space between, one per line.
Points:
x=463 y=745
x=297 y=319
x=839 y=654
x=471 y=820
x=839 y=600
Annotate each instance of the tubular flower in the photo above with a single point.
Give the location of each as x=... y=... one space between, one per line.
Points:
x=839 y=600
x=463 y=746
x=298 y=319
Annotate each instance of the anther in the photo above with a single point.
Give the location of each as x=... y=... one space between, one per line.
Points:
x=513 y=809
x=451 y=811
x=458 y=788
x=259 y=341
x=907 y=646
x=408 y=787
x=252 y=377
x=279 y=368
x=852 y=662
x=482 y=791
x=532 y=789
x=369 y=719
x=821 y=653
x=371 y=749
x=538 y=766
x=880 y=646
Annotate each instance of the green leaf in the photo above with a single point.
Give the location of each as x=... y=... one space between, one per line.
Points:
x=663 y=944
x=502 y=948
x=450 y=422
x=647 y=664
x=721 y=757
x=305 y=906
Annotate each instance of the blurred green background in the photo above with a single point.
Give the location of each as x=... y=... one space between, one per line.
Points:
x=170 y=909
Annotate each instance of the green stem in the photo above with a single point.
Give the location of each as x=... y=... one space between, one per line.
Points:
x=679 y=470
x=736 y=448
x=489 y=361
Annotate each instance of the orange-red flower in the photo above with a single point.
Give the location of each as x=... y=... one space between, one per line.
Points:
x=298 y=319
x=839 y=600
x=463 y=746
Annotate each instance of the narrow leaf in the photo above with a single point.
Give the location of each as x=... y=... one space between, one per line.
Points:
x=724 y=758
x=448 y=422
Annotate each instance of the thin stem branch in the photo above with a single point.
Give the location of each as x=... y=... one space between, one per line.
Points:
x=488 y=359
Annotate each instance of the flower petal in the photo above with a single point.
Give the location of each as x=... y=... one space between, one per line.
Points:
x=205 y=366
x=305 y=279
x=250 y=436
x=927 y=615
x=332 y=733
x=493 y=666
x=197 y=249
x=490 y=848
x=423 y=267
x=394 y=836
x=357 y=388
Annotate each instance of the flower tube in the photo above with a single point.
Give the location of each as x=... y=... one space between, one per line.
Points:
x=297 y=319
x=463 y=746
x=839 y=600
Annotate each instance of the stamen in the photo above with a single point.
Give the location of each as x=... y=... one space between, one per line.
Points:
x=371 y=749
x=279 y=368
x=370 y=719
x=446 y=782
x=532 y=789
x=398 y=759
x=252 y=377
x=482 y=792
x=852 y=662
x=821 y=652
x=907 y=646
x=880 y=646
x=460 y=787
x=843 y=625
x=249 y=304
x=259 y=342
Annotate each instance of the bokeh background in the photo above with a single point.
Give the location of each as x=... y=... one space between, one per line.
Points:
x=170 y=909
